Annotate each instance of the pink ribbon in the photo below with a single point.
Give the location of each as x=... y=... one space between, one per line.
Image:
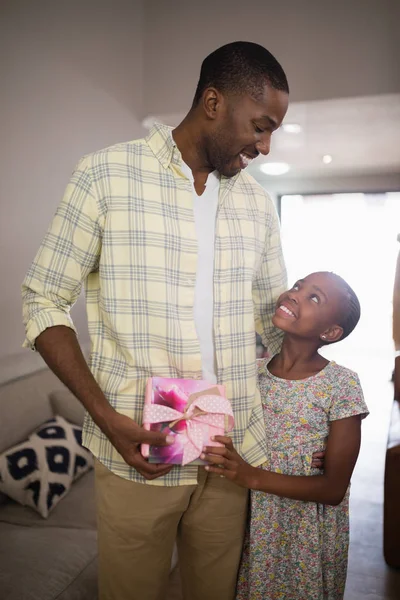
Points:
x=204 y=410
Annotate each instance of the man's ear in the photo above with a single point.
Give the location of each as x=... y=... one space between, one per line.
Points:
x=213 y=103
x=333 y=334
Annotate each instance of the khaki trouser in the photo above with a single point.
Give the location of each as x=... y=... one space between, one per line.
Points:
x=138 y=525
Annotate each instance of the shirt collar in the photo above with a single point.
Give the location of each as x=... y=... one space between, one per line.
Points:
x=163 y=146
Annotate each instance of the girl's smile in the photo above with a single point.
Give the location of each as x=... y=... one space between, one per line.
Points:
x=284 y=311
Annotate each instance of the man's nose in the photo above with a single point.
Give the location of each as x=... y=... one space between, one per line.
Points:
x=264 y=145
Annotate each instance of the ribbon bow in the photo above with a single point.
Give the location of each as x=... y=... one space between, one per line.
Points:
x=206 y=410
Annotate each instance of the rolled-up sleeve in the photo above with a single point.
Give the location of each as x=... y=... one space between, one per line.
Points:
x=269 y=283
x=68 y=253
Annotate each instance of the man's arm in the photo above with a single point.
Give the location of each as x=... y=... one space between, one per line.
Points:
x=69 y=252
x=269 y=283
x=60 y=349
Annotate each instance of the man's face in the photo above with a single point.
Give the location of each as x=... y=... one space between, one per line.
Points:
x=242 y=129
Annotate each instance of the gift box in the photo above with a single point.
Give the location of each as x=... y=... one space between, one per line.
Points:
x=192 y=411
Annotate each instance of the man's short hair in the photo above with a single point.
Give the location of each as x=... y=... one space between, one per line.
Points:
x=241 y=68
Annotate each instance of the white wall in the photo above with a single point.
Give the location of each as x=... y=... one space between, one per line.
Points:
x=329 y=50
x=71 y=76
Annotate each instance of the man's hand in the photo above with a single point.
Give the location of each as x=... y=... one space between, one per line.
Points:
x=225 y=461
x=318 y=460
x=126 y=437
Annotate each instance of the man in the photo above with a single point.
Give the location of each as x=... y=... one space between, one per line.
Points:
x=180 y=253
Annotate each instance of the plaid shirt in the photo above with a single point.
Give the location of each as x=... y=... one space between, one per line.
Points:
x=126 y=228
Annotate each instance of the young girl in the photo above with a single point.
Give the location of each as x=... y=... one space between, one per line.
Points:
x=297 y=539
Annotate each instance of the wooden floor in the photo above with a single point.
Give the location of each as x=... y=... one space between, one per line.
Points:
x=368 y=576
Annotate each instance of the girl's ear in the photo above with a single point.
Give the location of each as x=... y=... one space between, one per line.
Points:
x=333 y=334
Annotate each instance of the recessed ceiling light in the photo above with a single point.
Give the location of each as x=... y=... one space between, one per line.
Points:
x=327 y=159
x=277 y=168
x=292 y=128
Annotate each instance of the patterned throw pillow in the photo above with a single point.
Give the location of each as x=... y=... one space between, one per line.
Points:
x=41 y=470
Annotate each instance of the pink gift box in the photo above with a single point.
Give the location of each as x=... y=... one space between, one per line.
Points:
x=191 y=410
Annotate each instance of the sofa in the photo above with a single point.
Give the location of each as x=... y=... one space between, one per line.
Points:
x=53 y=557
x=391 y=504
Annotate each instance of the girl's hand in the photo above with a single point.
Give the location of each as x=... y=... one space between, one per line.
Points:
x=225 y=461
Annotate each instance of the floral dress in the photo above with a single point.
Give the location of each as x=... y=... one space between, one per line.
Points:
x=297 y=550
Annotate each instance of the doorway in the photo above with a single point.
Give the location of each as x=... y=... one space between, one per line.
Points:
x=354 y=235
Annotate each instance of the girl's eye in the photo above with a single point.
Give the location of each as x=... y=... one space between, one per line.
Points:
x=258 y=129
x=296 y=287
x=315 y=298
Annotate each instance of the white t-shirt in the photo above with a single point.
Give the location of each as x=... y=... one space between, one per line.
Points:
x=205 y=212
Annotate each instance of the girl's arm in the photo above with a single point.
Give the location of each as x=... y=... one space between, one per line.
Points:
x=341 y=455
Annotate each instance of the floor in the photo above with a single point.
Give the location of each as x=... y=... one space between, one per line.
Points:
x=368 y=576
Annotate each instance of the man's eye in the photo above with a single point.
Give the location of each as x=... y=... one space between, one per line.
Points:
x=296 y=287
x=315 y=298
x=258 y=129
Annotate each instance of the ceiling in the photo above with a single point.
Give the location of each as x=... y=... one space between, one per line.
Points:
x=361 y=134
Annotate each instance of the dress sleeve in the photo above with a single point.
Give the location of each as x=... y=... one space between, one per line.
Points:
x=348 y=398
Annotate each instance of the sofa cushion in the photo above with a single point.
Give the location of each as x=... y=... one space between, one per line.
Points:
x=65 y=404
x=40 y=471
x=76 y=511
x=84 y=586
x=46 y=563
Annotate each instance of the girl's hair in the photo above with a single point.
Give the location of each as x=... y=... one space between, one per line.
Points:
x=351 y=310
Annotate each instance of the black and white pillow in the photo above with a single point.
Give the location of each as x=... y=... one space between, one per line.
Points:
x=41 y=470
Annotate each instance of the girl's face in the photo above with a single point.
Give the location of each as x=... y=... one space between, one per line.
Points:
x=311 y=309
